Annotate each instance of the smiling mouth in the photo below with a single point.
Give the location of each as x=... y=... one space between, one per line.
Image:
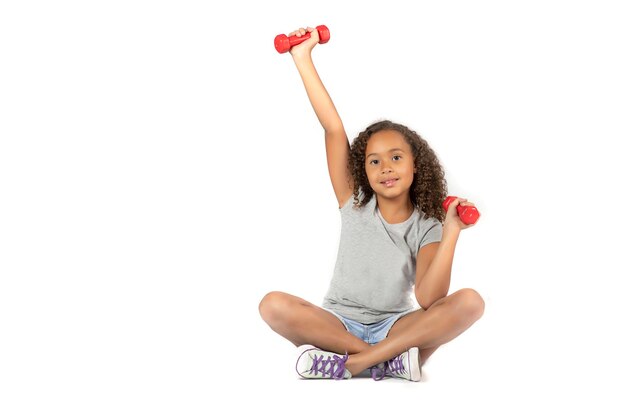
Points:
x=389 y=183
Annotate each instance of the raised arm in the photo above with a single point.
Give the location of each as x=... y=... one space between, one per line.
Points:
x=337 y=145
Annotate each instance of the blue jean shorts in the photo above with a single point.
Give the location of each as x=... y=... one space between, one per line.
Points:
x=370 y=333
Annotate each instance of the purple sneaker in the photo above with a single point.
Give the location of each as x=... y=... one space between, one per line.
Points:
x=314 y=363
x=406 y=366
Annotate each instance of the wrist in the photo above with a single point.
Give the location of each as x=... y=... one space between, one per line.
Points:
x=301 y=54
x=450 y=230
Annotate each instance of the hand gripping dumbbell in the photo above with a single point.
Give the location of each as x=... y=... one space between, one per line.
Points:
x=468 y=214
x=283 y=43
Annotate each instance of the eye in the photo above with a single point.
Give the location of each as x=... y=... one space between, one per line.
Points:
x=376 y=160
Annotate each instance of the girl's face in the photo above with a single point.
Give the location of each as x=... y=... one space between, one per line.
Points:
x=389 y=164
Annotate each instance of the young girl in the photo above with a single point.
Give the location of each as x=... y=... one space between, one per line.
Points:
x=394 y=250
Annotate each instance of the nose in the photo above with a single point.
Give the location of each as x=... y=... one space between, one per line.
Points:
x=385 y=168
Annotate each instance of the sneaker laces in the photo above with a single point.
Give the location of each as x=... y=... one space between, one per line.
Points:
x=333 y=366
x=379 y=371
x=395 y=366
x=391 y=367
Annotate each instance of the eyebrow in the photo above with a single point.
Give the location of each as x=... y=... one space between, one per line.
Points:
x=390 y=150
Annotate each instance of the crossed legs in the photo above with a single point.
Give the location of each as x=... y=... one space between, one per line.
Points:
x=302 y=322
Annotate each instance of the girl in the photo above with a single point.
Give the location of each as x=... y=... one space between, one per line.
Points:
x=396 y=247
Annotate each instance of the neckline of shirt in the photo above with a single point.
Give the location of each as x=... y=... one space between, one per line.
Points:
x=380 y=216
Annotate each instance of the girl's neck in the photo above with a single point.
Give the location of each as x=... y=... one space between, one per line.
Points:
x=396 y=210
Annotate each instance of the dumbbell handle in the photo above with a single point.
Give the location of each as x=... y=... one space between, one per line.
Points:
x=468 y=214
x=284 y=43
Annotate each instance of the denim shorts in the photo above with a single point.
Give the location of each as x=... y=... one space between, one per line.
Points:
x=370 y=333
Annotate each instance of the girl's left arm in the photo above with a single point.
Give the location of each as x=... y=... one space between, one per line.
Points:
x=434 y=267
x=434 y=261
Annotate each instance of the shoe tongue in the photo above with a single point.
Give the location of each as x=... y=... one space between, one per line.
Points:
x=331 y=365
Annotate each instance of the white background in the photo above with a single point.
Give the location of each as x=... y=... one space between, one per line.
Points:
x=161 y=169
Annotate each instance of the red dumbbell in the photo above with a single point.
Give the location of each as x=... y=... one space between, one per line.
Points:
x=468 y=214
x=283 y=43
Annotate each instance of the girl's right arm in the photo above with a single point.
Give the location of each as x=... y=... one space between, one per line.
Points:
x=337 y=145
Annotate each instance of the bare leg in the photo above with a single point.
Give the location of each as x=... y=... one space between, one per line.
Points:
x=427 y=329
x=302 y=322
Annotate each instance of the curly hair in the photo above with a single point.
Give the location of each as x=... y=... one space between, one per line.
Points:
x=429 y=187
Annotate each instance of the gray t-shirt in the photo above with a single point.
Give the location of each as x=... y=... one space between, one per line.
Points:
x=374 y=274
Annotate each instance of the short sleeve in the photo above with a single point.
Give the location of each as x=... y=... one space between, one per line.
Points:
x=431 y=231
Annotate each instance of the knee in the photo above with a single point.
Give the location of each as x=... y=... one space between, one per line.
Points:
x=471 y=304
x=273 y=306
